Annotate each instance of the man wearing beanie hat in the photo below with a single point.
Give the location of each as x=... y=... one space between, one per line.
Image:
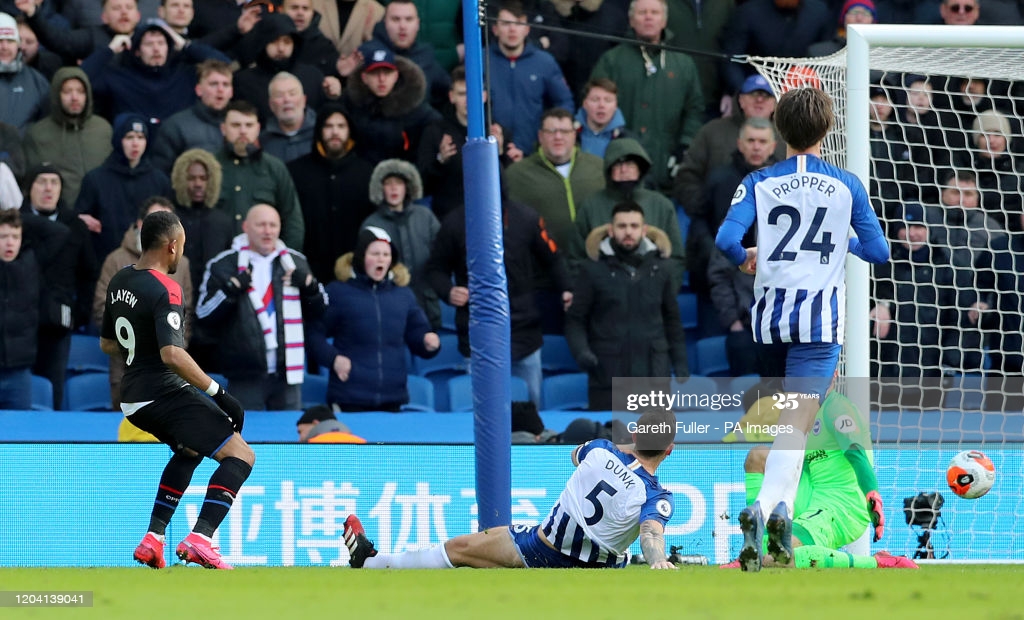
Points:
x=374 y=323
x=153 y=76
x=24 y=91
x=394 y=188
x=111 y=194
x=66 y=282
x=332 y=182
x=853 y=12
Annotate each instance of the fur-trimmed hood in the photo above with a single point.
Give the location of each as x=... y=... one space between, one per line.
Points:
x=179 y=176
x=408 y=93
x=343 y=271
x=396 y=167
x=598 y=242
x=564 y=7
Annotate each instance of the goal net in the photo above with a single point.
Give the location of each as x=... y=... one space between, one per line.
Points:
x=930 y=119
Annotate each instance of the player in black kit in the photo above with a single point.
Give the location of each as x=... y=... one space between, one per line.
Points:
x=161 y=393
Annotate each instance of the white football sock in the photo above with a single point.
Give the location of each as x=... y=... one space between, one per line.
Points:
x=782 y=472
x=434 y=557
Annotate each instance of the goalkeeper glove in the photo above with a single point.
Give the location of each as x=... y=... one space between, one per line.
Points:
x=230 y=405
x=877 y=514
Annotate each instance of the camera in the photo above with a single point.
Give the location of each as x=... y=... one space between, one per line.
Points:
x=924 y=509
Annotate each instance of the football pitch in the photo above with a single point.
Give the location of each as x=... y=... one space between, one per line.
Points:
x=976 y=591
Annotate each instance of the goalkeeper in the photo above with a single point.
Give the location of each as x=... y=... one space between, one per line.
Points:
x=837 y=498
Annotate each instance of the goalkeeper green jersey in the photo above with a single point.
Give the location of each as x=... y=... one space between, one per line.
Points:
x=837 y=426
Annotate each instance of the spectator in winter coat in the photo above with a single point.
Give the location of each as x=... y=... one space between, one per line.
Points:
x=333 y=188
x=153 y=76
x=288 y=133
x=119 y=17
x=395 y=187
x=399 y=32
x=440 y=154
x=315 y=49
x=24 y=92
x=624 y=320
x=387 y=107
x=19 y=300
x=72 y=138
x=524 y=80
x=67 y=280
x=111 y=194
x=199 y=125
x=374 y=321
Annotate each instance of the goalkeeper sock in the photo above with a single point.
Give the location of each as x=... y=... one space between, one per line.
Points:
x=815 y=556
x=752 y=484
x=220 y=494
x=434 y=557
x=173 y=482
x=782 y=472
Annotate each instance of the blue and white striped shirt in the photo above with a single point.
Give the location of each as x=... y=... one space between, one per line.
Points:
x=804 y=209
x=599 y=513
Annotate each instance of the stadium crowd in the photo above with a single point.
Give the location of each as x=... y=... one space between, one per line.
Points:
x=341 y=114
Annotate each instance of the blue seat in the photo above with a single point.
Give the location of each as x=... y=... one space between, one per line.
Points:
x=697 y=387
x=87 y=392
x=687 y=303
x=966 y=392
x=460 y=392
x=555 y=356
x=447 y=359
x=85 y=355
x=42 y=394
x=421 y=394
x=447 y=318
x=712 y=360
x=739 y=385
x=563 y=392
x=314 y=390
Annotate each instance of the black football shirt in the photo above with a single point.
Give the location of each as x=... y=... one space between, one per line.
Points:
x=144 y=313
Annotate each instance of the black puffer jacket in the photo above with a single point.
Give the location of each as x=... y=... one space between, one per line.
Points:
x=525 y=241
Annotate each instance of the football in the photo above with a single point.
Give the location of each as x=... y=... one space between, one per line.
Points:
x=970 y=474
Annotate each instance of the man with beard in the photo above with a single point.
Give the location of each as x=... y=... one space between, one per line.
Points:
x=625 y=165
x=254 y=177
x=199 y=125
x=152 y=73
x=333 y=186
x=624 y=321
x=71 y=138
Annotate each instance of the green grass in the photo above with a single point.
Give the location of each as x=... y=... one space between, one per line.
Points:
x=974 y=591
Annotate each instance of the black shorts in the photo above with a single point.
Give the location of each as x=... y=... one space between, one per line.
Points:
x=186 y=418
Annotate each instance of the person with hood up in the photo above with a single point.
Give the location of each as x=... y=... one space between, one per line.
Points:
x=72 y=138
x=273 y=46
x=395 y=187
x=111 y=194
x=373 y=319
x=152 y=74
x=626 y=163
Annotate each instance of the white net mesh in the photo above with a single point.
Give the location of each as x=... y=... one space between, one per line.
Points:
x=946 y=367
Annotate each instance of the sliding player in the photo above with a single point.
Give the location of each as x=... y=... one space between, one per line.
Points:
x=612 y=497
x=804 y=209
